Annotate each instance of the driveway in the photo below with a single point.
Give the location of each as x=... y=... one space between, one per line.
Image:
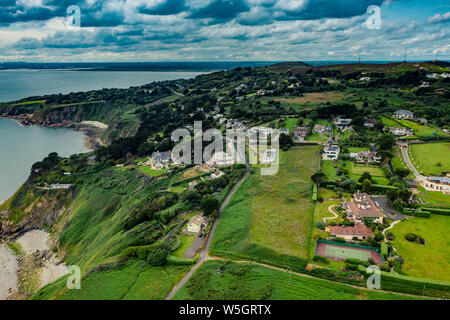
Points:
x=382 y=203
x=408 y=162
x=192 y=250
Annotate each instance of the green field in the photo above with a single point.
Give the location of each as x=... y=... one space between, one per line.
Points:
x=429 y=260
x=290 y=123
x=131 y=282
x=219 y=280
x=270 y=217
x=431 y=158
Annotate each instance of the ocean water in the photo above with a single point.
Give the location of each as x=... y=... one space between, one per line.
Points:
x=22 y=83
x=20 y=147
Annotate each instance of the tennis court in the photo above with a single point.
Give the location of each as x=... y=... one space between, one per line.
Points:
x=342 y=251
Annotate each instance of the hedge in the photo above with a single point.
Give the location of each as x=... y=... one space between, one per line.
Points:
x=422 y=214
x=314 y=195
x=412 y=285
x=441 y=211
x=179 y=261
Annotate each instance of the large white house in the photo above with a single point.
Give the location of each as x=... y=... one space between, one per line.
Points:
x=403 y=114
x=331 y=152
x=441 y=184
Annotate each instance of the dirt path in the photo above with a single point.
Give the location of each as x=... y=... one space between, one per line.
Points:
x=8 y=268
x=203 y=256
x=335 y=215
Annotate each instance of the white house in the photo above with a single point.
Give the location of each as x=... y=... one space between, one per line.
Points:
x=403 y=114
x=401 y=131
x=331 y=152
x=196 y=224
x=441 y=184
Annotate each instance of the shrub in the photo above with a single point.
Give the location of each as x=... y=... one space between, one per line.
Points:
x=411 y=237
x=320 y=225
x=157 y=256
x=321 y=259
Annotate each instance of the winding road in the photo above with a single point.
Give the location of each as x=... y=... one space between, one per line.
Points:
x=203 y=256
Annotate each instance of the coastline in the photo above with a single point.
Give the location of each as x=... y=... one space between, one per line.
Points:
x=92 y=133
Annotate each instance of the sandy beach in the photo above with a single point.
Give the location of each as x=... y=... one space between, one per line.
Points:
x=39 y=240
x=8 y=276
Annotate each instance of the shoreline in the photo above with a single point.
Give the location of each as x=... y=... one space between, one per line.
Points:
x=92 y=133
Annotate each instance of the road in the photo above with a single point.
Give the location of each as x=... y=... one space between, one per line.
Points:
x=408 y=162
x=203 y=256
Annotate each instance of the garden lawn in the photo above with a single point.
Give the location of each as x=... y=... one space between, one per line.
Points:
x=152 y=172
x=290 y=123
x=186 y=242
x=390 y=122
x=434 y=198
x=329 y=170
x=356 y=171
x=422 y=131
x=425 y=261
x=270 y=217
x=431 y=158
x=254 y=282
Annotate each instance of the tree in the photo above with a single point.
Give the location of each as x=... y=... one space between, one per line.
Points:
x=386 y=142
x=209 y=204
x=366 y=185
x=285 y=141
x=157 y=256
x=402 y=172
x=319 y=178
x=365 y=176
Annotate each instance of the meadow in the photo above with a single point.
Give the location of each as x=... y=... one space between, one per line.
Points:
x=222 y=280
x=429 y=260
x=128 y=282
x=270 y=217
x=431 y=158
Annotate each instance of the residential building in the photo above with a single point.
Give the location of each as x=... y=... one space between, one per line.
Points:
x=359 y=231
x=331 y=152
x=284 y=131
x=196 y=224
x=403 y=114
x=301 y=133
x=342 y=123
x=401 y=131
x=369 y=123
x=217 y=174
x=220 y=159
x=440 y=184
x=60 y=186
x=319 y=128
x=366 y=157
x=363 y=207
x=160 y=159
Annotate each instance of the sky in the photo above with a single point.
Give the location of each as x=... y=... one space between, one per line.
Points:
x=222 y=30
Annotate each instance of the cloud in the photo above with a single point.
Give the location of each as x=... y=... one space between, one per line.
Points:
x=164 y=7
x=439 y=18
x=220 y=10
